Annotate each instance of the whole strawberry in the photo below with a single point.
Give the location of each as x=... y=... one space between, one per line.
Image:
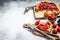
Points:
x=55 y=31
x=52 y=17
x=58 y=29
x=55 y=25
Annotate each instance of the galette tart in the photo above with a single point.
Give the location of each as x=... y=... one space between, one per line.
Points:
x=43 y=9
x=47 y=26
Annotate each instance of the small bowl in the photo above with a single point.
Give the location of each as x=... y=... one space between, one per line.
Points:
x=58 y=22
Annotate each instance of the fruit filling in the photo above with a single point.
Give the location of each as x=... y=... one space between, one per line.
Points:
x=47 y=6
x=42 y=26
x=47 y=26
